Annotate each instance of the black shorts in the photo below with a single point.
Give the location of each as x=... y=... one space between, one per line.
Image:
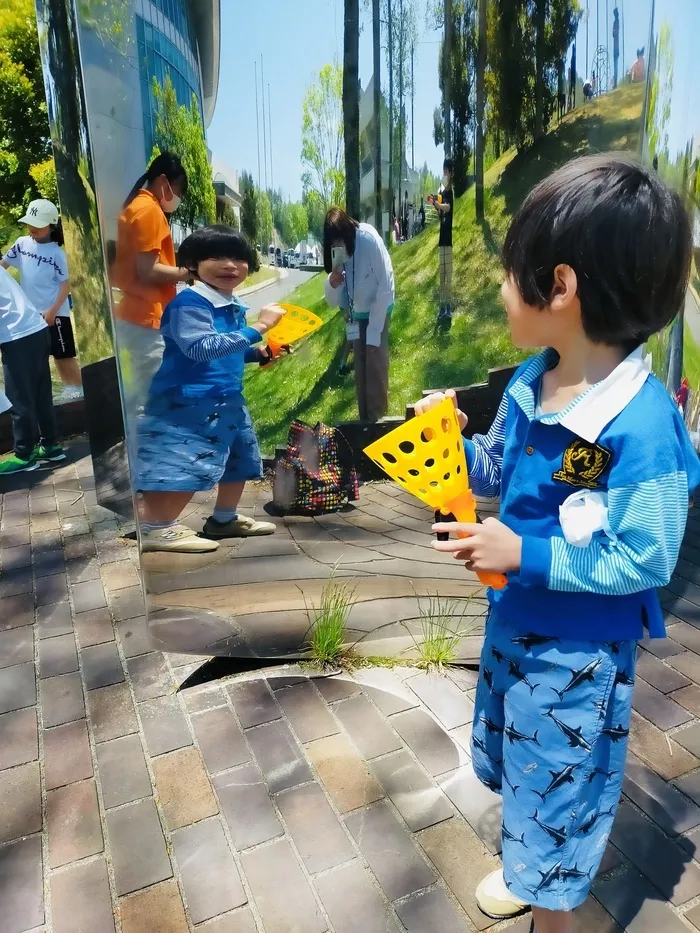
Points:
x=62 y=339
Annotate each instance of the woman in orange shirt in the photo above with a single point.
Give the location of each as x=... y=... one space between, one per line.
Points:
x=146 y=273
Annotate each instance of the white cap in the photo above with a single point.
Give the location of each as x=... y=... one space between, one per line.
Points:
x=40 y=213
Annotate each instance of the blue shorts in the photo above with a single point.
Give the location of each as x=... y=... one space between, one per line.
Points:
x=188 y=444
x=550 y=734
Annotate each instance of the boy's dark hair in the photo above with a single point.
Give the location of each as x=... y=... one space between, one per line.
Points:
x=168 y=164
x=57 y=232
x=623 y=232
x=448 y=166
x=216 y=242
x=337 y=226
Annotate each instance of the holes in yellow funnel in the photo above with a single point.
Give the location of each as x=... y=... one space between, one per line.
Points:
x=427 y=435
x=430 y=462
x=446 y=425
x=390 y=458
x=414 y=472
x=446 y=453
x=407 y=447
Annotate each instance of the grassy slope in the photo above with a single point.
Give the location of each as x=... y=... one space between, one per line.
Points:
x=307 y=386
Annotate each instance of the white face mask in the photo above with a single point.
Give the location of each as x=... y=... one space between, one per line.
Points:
x=445 y=180
x=171 y=204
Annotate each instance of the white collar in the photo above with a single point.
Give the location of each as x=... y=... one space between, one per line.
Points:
x=216 y=298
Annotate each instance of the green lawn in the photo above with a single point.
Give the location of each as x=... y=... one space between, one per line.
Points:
x=263 y=274
x=307 y=386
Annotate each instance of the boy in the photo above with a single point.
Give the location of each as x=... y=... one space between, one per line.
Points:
x=444 y=205
x=196 y=431
x=25 y=345
x=594 y=467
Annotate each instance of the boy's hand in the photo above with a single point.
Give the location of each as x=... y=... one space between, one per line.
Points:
x=336 y=278
x=269 y=316
x=50 y=317
x=490 y=546
x=430 y=401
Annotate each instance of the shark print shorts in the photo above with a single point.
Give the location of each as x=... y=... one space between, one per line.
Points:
x=551 y=723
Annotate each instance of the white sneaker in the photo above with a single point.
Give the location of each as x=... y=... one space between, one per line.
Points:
x=495 y=900
x=70 y=394
x=176 y=538
x=241 y=527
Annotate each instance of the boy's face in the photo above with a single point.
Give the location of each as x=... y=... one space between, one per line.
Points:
x=530 y=326
x=223 y=274
x=40 y=234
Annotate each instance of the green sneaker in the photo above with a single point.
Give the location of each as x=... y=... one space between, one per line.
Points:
x=14 y=464
x=49 y=454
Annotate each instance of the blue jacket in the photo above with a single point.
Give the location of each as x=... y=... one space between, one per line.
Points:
x=623 y=439
x=207 y=344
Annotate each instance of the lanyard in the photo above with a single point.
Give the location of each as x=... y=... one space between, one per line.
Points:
x=349 y=315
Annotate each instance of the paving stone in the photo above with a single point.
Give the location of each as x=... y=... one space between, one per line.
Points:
x=73 y=820
x=93 y=628
x=247 y=807
x=279 y=756
x=138 y=851
x=480 y=806
x=689 y=698
x=367 y=728
x=254 y=703
x=655 y=855
x=209 y=874
x=660 y=675
x=389 y=851
x=54 y=620
x=659 y=709
x=690 y=785
x=386 y=691
x=127 y=604
x=16 y=583
x=57 y=656
x=688 y=636
x=83 y=570
x=634 y=903
x=443 y=698
x=353 y=903
x=19 y=742
x=13 y=558
x=164 y=725
x=119 y=575
x=220 y=740
x=336 y=688
x=459 y=856
x=344 y=773
x=307 y=713
x=199 y=701
x=133 y=635
x=281 y=892
x=87 y=596
x=112 y=712
x=150 y=676
x=51 y=589
x=660 y=801
x=20 y=802
x=80 y=899
x=78 y=546
x=429 y=742
x=414 y=795
x=102 y=665
x=687 y=663
x=16 y=646
x=123 y=773
x=13 y=537
x=183 y=788
x=17 y=687
x=282 y=681
x=314 y=828
x=239 y=921
x=689 y=738
x=156 y=910
x=17 y=611
x=432 y=912
x=22 y=885
x=67 y=755
x=661 y=753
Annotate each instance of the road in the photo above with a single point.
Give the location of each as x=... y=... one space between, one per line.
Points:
x=692 y=316
x=277 y=292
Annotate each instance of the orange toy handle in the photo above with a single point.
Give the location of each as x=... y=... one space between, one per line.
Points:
x=464 y=510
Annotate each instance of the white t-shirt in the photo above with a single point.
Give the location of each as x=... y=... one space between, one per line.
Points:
x=42 y=270
x=18 y=316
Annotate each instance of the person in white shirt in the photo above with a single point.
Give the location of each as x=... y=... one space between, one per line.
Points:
x=25 y=345
x=361 y=283
x=43 y=274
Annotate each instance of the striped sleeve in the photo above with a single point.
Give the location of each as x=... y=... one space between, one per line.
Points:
x=648 y=520
x=485 y=455
x=192 y=329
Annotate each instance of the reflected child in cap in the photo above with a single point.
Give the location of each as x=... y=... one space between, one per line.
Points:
x=196 y=432
x=593 y=465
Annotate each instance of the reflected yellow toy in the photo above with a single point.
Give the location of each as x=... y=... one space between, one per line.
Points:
x=297 y=323
x=426 y=456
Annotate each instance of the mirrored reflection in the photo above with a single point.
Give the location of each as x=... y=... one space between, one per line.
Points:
x=260 y=518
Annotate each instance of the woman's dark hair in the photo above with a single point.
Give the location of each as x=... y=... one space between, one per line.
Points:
x=57 y=232
x=623 y=232
x=166 y=164
x=448 y=166
x=338 y=226
x=216 y=242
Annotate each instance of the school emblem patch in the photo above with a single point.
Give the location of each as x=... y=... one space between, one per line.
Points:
x=583 y=464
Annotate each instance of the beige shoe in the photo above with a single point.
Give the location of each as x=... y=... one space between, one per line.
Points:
x=241 y=527
x=495 y=900
x=178 y=539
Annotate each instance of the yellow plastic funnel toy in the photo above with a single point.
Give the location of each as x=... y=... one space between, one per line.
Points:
x=297 y=323
x=426 y=456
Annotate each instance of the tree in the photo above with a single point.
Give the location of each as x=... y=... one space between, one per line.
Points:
x=458 y=80
x=322 y=137
x=24 y=125
x=661 y=68
x=480 y=105
x=179 y=129
x=400 y=19
x=297 y=223
x=315 y=212
x=249 y=209
x=351 y=106
x=540 y=21
x=226 y=215
x=264 y=215
x=377 y=109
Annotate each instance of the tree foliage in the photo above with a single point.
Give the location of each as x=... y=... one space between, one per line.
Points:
x=264 y=217
x=179 y=129
x=322 y=151
x=249 y=208
x=461 y=82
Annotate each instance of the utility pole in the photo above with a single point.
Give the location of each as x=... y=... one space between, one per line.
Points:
x=269 y=120
x=447 y=48
x=413 y=94
x=587 y=73
x=622 y=30
x=391 y=114
x=262 y=89
x=402 y=110
x=377 y=106
x=257 y=118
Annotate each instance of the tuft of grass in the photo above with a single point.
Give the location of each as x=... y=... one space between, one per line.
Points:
x=326 y=636
x=442 y=628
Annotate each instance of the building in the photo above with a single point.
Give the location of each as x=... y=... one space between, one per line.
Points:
x=226 y=187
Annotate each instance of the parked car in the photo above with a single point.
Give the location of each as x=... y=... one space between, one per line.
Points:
x=271 y=256
x=293 y=259
x=285 y=259
x=278 y=254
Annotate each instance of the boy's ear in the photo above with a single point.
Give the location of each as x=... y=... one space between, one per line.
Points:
x=565 y=288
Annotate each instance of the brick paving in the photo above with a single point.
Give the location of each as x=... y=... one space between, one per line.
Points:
x=277 y=801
